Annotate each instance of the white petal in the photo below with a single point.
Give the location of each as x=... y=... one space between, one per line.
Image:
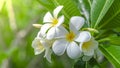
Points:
x=51 y=33
x=45 y=43
x=38 y=51
x=84 y=36
x=61 y=32
x=89 y=53
x=36 y=43
x=60 y=20
x=39 y=35
x=77 y=22
x=98 y=54
x=48 y=53
x=44 y=29
x=59 y=46
x=48 y=17
x=80 y=45
x=73 y=29
x=73 y=50
x=56 y=32
x=89 y=45
x=38 y=48
x=86 y=58
x=57 y=10
x=94 y=43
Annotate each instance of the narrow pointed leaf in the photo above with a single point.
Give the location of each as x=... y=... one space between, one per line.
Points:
x=48 y=4
x=70 y=9
x=85 y=6
x=112 y=53
x=98 y=10
x=112 y=18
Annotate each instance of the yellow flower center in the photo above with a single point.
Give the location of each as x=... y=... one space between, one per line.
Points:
x=40 y=46
x=86 y=45
x=55 y=21
x=70 y=37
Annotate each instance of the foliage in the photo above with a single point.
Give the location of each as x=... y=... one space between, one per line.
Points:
x=17 y=33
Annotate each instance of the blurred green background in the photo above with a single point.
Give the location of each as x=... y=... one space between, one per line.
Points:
x=17 y=33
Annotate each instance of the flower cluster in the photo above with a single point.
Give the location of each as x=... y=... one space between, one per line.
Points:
x=54 y=37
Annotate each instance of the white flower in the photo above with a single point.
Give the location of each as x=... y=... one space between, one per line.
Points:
x=69 y=41
x=40 y=44
x=52 y=26
x=37 y=45
x=89 y=47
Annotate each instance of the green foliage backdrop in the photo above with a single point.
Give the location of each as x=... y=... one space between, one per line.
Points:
x=17 y=32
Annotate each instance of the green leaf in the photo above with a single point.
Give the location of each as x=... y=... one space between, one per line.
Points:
x=79 y=64
x=70 y=8
x=85 y=6
x=92 y=63
x=112 y=53
x=48 y=4
x=98 y=10
x=112 y=18
x=114 y=40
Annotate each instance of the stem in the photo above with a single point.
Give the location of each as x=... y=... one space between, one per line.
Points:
x=104 y=39
x=86 y=65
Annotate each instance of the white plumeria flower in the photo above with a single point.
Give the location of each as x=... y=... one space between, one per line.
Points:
x=69 y=41
x=52 y=26
x=40 y=44
x=89 y=47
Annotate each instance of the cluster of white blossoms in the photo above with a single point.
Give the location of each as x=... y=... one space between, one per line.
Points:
x=54 y=37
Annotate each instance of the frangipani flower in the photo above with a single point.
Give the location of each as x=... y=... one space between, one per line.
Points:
x=69 y=41
x=89 y=47
x=40 y=44
x=52 y=26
